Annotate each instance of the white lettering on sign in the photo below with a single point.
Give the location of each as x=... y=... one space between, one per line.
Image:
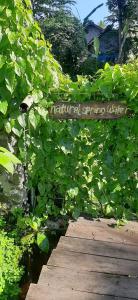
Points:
x=95 y=110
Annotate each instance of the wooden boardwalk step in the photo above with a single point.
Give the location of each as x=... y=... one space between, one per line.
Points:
x=96 y=283
x=101 y=248
x=102 y=230
x=41 y=292
x=92 y=263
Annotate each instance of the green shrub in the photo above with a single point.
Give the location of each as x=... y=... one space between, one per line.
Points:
x=10 y=271
x=90 y=166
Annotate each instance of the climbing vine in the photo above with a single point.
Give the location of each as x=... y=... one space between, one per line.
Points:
x=74 y=166
x=26 y=64
x=88 y=166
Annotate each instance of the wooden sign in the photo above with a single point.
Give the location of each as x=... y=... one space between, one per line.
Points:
x=92 y=110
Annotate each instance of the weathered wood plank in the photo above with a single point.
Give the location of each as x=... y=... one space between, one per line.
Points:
x=92 y=263
x=42 y=292
x=103 y=231
x=89 y=110
x=101 y=248
x=96 y=283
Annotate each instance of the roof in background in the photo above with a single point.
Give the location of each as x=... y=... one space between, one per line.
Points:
x=92 y=24
x=102 y=31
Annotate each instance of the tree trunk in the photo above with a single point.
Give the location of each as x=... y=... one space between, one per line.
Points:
x=120 y=21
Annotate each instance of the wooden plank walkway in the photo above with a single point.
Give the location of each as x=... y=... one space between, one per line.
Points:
x=94 y=261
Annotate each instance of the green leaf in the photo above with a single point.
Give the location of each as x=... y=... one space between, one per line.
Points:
x=2 y=7
x=21 y=63
x=17 y=69
x=22 y=121
x=10 y=81
x=8 y=127
x=73 y=192
x=5 y=162
x=121 y=222
x=37 y=95
x=2 y=61
x=42 y=112
x=11 y=36
x=8 y=12
x=16 y=131
x=8 y=160
x=42 y=242
x=33 y=118
x=34 y=225
x=3 y=107
x=11 y=156
x=28 y=239
x=107 y=66
x=108 y=210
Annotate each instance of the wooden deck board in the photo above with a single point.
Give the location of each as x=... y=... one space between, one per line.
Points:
x=42 y=292
x=94 y=261
x=102 y=230
x=97 y=283
x=109 y=249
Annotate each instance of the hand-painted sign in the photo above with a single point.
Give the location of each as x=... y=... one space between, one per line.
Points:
x=92 y=110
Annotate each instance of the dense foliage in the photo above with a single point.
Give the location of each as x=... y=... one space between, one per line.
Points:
x=46 y=8
x=123 y=14
x=66 y=34
x=10 y=271
x=64 y=31
x=26 y=64
x=90 y=166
